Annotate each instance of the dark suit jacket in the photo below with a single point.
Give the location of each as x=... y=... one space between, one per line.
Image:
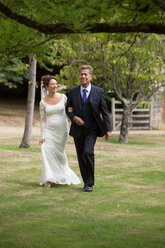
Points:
x=98 y=108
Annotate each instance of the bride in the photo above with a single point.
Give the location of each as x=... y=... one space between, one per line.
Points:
x=54 y=135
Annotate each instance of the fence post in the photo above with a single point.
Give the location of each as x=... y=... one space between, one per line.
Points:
x=113 y=113
x=151 y=115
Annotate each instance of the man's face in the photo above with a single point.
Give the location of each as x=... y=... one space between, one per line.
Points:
x=85 y=78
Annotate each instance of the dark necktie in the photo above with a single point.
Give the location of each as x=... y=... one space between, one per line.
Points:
x=84 y=95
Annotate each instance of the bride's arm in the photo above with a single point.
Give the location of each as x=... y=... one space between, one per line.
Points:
x=69 y=109
x=42 y=123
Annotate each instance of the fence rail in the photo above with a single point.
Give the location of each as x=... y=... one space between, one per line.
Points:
x=141 y=118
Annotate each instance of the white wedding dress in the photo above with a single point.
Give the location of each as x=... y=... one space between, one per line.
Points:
x=54 y=129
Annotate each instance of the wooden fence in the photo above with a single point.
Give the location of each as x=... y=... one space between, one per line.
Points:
x=141 y=116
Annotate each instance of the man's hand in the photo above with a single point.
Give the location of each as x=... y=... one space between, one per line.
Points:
x=108 y=135
x=41 y=141
x=78 y=121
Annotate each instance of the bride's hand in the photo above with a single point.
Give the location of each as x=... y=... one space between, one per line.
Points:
x=70 y=109
x=41 y=141
x=42 y=84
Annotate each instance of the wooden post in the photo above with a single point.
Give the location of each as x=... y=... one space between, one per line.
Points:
x=113 y=113
x=151 y=116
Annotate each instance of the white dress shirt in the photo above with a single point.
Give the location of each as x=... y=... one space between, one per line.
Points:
x=88 y=90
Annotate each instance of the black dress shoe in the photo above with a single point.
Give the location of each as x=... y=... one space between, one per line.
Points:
x=88 y=189
x=83 y=188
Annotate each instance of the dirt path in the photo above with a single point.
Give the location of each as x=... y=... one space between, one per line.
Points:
x=11 y=132
x=12 y=120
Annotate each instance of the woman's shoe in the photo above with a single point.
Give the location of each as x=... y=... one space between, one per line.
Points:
x=47 y=185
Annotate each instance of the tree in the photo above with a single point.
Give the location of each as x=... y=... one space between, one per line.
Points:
x=54 y=17
x=30 y=103
x=131 y=66
x=17 y=42
x=136 y=75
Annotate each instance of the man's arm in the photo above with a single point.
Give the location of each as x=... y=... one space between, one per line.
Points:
x=70 y=112
x=105 y=115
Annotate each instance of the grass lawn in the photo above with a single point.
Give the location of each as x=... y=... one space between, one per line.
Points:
x=125 y=210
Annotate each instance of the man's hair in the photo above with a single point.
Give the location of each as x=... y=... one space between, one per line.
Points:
x=46 y=79
x=86 y=67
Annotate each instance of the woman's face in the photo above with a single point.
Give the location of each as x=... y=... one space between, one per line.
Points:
x=52 y=87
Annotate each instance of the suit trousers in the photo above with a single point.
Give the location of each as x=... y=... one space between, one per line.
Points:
x=85 y=153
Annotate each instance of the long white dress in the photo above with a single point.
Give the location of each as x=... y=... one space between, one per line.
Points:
x=54 y=128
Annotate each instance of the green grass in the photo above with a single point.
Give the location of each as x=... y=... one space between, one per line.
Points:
x=125 y=210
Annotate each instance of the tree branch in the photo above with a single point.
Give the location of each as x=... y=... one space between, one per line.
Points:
x=160 y=3
x=134 y=41
x=61 y=28
x=43 y=42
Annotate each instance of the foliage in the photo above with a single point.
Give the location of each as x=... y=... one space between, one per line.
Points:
x=73 y=51
x=131 y=66
x=82 y=16
x=17 y=43
x=15 y=72
x=19 y=40
x=139 y=71
x=127 y=64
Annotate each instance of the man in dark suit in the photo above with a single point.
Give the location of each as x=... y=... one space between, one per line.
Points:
x=87 y=110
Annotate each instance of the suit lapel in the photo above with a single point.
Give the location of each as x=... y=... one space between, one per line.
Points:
x=92 y=94
x=79 y=98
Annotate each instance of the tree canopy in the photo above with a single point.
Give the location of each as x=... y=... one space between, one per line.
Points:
x=119 y=61
x=81 y=16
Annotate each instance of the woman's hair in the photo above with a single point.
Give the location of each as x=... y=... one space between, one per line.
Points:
x=86 y=67
x=46 y=79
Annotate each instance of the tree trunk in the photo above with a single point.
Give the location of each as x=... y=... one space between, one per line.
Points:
x=123 y=138
x=30 y=103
